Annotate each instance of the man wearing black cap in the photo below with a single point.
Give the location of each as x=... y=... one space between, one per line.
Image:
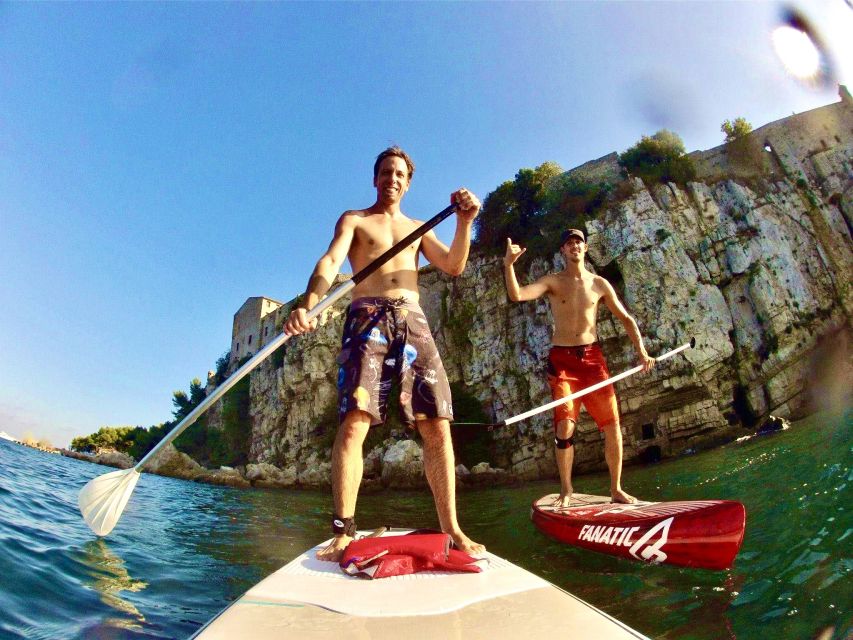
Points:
x=575 y=360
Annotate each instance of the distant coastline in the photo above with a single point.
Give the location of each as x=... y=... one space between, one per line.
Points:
x=27 y=442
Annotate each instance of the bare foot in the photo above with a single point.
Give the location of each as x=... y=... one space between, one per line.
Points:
x=335 y=550
x=564 y=500
x=465 y=544
x=621 y=497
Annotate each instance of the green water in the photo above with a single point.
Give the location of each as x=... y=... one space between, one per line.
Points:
x=181 y=550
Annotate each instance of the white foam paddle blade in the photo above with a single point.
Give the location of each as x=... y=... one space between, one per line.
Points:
x=103 y=499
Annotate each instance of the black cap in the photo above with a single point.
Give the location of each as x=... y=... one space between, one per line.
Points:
x=571 y=233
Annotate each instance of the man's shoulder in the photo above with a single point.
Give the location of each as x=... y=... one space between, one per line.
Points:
x=351 y=218
x=601 y=282
x=355 y=213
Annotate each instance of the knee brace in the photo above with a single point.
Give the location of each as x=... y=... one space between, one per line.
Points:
x=564 y=443
x=345 y=526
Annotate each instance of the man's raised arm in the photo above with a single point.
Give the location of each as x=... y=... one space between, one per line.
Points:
x=453 y=260
x=513 y=290
x=327 y=267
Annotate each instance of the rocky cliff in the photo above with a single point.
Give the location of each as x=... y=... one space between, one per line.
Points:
x=756 y=267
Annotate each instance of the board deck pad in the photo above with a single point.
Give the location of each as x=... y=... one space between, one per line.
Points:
x=310 y=598
x=690 y=533
x=323 y=584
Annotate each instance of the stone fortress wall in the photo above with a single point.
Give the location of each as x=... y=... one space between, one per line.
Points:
x=254 y=326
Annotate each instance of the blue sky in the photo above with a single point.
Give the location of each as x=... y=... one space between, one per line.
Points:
x=162 y=162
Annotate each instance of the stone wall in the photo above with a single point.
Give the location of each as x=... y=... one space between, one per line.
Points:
x=793 y=147
x=254 y=326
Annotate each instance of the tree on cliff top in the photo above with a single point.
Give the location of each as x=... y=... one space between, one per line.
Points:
x=229 y=446
x=535 y=207
x=184 y=403
x=514 y=209
x=746 y=154
x=735 y=129
x=659 y=158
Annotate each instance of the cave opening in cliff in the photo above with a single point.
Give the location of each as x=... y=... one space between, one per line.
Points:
x=612 y=273
x=741 y=407
x=472 y=444
x=650 y=455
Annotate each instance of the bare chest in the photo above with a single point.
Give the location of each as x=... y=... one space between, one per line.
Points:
x=575 y=296
x=375 y=236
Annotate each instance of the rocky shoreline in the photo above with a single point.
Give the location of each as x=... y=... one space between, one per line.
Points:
x=395 y=464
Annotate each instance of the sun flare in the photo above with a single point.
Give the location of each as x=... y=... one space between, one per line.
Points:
x=797 y=52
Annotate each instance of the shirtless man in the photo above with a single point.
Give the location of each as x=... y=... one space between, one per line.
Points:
x=386 y=336
x=575 y=360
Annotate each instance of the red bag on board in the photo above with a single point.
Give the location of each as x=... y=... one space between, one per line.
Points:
x=401 y=555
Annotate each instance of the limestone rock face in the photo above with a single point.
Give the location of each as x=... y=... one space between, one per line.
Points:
x=294 y=406
x=225 y=477
x=758 y=270
x=484 y=475
x=270 y=476
x=403 y=465
x=171 y=462
x=107 y=457
x=316 y=472
x=115 y=459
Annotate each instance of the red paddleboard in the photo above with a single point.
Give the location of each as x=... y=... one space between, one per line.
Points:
x=704 y=534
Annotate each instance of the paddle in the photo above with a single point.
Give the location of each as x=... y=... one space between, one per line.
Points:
x=575 y=395
x=103 y=499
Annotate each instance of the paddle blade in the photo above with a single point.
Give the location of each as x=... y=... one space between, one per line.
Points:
x=103 y=499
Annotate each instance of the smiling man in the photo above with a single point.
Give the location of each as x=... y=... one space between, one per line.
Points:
x=387 y=337
x=575 y=360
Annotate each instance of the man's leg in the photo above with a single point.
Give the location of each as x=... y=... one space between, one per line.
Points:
x=440 y=469
x=565 y=454
x=347 y=468
x=560 y=368
x=613 y=455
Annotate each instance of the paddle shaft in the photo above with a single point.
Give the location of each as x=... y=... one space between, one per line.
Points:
x=279 y=340
x=578 y=394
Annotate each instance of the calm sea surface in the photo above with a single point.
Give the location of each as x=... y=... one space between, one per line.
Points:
x=181 y=551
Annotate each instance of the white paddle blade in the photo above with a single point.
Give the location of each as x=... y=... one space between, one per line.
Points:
x=103 y=499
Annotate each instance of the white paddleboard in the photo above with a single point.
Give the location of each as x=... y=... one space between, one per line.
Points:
x=311 y=599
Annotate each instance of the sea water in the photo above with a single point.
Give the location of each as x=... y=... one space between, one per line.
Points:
x=182 y=551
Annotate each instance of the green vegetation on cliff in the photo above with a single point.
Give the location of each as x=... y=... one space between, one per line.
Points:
x=735 y=129
x=659 y=158
x=538 y=204
x=210 y=447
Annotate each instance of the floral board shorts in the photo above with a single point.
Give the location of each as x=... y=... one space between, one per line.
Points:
x=571 y=369
x=384 y=339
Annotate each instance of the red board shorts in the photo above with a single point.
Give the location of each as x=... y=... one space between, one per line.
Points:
x=571 y=369
x=383 y=339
